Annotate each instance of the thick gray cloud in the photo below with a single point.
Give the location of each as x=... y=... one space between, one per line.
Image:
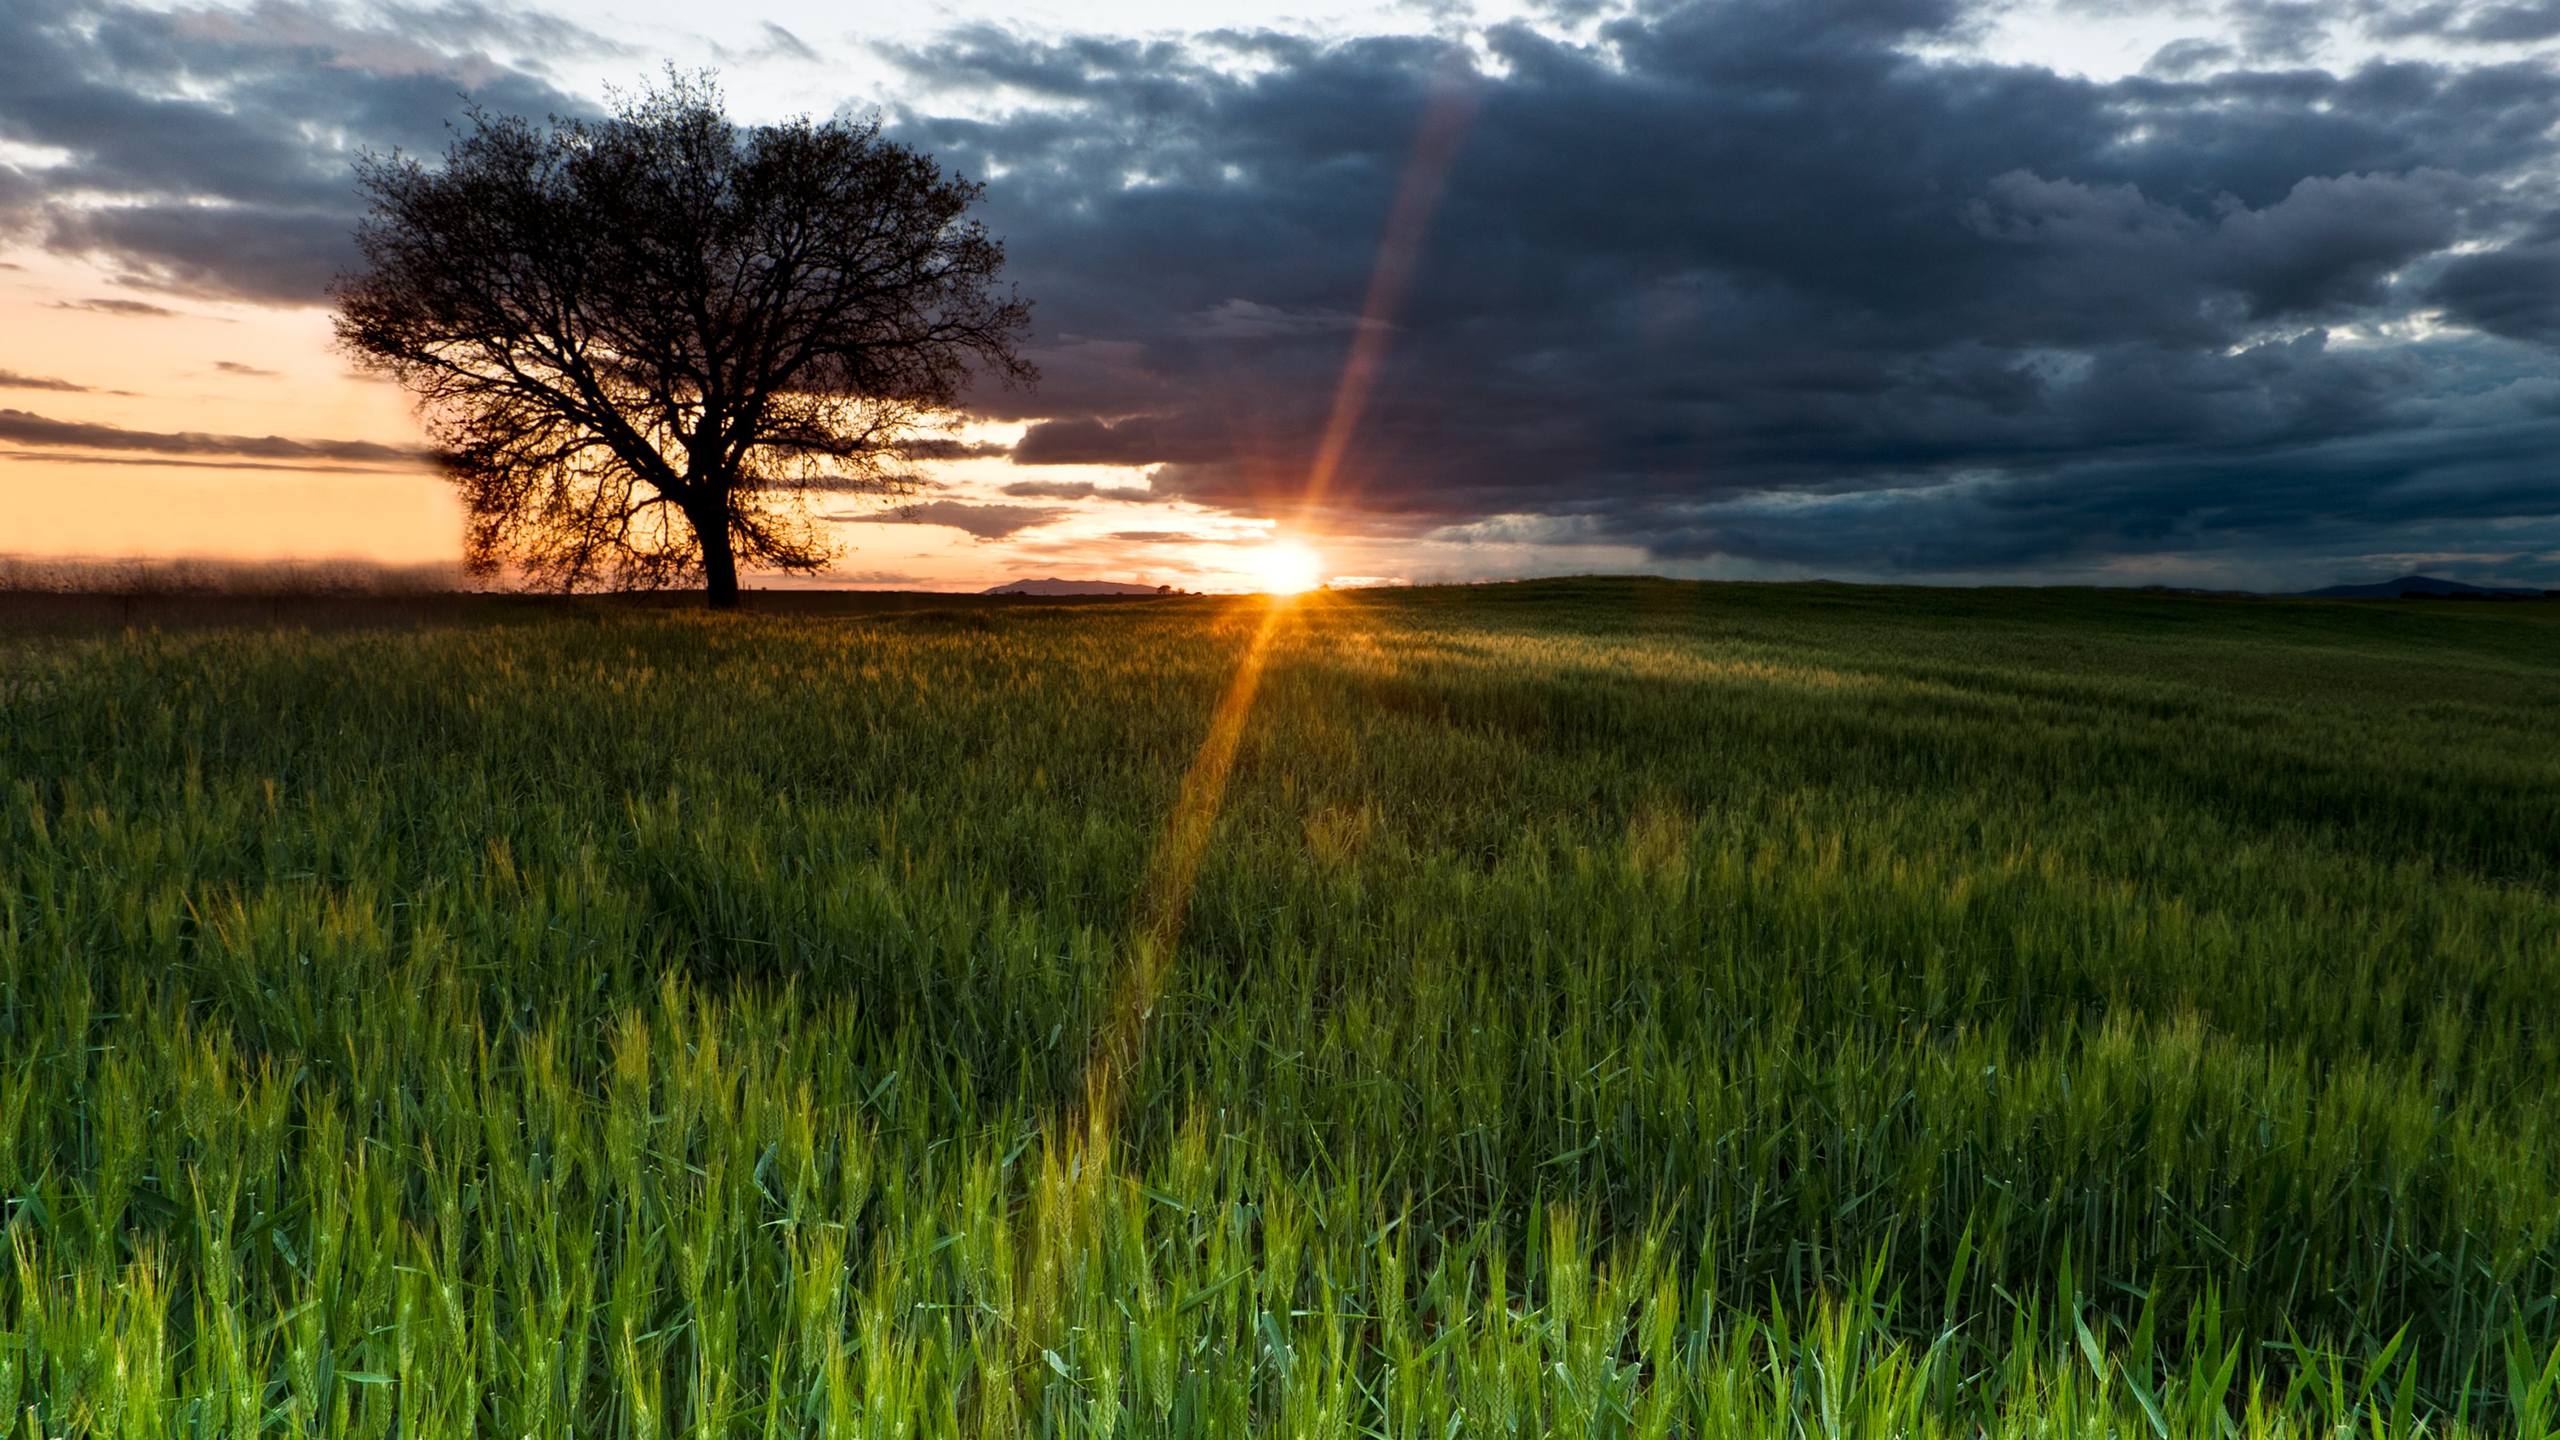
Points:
x=2498 y=22
x=2513 y=290
x=1749 y=280
x=209 y=148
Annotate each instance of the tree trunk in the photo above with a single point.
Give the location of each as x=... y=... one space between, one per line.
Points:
x=719 y=562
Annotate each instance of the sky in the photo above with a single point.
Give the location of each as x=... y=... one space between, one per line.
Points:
x=2246 y=293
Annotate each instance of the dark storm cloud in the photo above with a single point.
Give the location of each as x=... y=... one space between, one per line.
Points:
x=20 y=427
x=1101 y=442
x=1749 y=280
x=2513 y=290
x=246 y=252
x=2329 y=493
x=209 y=149
x=2515 y=22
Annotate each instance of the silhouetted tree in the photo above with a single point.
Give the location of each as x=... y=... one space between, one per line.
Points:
x=644 y=342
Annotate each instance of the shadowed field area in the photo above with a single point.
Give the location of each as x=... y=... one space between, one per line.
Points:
x=1597 y=1007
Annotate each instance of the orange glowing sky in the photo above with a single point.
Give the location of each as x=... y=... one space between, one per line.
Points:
x=243 y=370
x=225 y=369
x=284 y=380
x=212 y=369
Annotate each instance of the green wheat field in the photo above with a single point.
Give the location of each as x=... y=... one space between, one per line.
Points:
x=1585 y=1008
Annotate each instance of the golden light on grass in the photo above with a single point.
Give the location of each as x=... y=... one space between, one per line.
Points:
x=1282 y=567
x=1285 y=567
x=1172 y=867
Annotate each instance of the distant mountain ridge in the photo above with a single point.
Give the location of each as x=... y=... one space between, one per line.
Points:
x=1055 y=586
x=2422 y=585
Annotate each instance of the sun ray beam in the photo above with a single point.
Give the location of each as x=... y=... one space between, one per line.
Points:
x=1119 y=1045
x=1426 y=173
x=1156 y=928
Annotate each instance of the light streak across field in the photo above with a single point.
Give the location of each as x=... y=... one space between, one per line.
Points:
x=1175 y=865
x=1156 y=929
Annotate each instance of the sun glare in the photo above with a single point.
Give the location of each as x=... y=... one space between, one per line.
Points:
x=1285 y=567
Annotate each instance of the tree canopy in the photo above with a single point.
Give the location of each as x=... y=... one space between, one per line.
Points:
x=645 y=342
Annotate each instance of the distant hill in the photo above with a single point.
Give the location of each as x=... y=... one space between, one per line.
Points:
x=1056 y=586
x=2427 y=585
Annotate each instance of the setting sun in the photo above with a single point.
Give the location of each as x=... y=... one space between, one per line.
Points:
x=1285 y=567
